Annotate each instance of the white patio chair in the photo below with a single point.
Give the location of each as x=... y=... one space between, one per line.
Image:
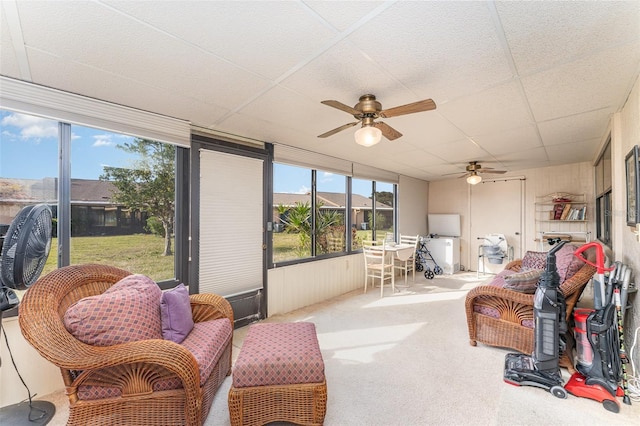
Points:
x=376 y=267
x=405 y=260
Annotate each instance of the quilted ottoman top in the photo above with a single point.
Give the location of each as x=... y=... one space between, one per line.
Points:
x=279 y=354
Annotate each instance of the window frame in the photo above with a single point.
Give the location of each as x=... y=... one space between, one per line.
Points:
x=603 y=192
x=63 y=203
x=348 y=222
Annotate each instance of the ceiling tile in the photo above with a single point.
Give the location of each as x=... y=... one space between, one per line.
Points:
x=573 y=152
x=511 y=140
x=459 y=151
x=299 y=36
x=588 y=84
x=496 y=109
x=8 y=61
x=417 y=41
x=541 y=34
x=575 y=128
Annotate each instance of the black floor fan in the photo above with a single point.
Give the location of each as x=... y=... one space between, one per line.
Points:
x=24 y=253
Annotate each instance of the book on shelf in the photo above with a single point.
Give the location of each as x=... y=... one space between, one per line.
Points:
x=565 y=212
x=557 y=211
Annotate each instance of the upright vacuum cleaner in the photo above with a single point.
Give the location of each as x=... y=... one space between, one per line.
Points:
x=600 y=338
x=542 y=368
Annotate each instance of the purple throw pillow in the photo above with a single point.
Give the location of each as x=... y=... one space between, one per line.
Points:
x=175 y=311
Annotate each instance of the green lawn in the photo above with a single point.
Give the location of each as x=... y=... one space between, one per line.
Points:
x=284 y=244
x=140 y=254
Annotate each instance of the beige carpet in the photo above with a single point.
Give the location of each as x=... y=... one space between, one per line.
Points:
x=405 y=360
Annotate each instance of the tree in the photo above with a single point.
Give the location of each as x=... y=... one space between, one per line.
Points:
x=150 y=185
x=384 y=197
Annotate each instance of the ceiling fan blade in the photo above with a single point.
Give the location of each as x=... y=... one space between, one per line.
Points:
x=424 y=105
x=387 y=131
x=491 y=171
x=456 y=173
x=338 y=129
x=342 y=107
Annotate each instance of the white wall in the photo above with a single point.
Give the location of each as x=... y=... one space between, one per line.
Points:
x=296 y=286
x=453 y=196
x=626 y=247
x=412 y=206
x=40 y=375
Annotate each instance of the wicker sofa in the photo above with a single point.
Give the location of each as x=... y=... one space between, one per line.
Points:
x=142 y=382
x=502 y=317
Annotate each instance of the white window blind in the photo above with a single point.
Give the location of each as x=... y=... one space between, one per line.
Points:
x=231 y=223
x=313 y=160
x=367 y=172
x=28 y=98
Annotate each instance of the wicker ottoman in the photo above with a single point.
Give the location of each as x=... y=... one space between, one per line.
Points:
x=279 y=376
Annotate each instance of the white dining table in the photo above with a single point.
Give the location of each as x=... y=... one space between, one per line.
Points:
x=401 y=251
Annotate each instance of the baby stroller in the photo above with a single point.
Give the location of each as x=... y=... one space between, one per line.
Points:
x=423 y=255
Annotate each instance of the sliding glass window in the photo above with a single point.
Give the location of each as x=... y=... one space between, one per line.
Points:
x=28 y=170
x=121 y=201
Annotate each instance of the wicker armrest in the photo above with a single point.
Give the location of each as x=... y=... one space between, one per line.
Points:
x=209 y=306
x=514 y=265
x=484 y=291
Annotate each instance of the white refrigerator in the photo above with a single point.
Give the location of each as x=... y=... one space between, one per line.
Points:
x=445 y=252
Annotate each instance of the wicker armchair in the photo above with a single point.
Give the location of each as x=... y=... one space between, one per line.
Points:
x=132 y=367
x=516 y=309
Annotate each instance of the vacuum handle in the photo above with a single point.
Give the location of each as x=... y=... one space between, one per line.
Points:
x=599 y=257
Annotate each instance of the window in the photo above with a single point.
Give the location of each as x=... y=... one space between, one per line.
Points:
x=603 y=196
x=122 y=192
x=28 y=169
x=310 y=211
x=330 y=208
x=292 y=212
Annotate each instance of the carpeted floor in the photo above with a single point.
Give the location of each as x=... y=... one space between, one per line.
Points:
x=405 y=360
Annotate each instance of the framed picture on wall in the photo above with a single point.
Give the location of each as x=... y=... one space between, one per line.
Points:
x=632 y=165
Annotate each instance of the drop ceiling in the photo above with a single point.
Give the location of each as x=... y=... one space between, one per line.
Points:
x=517 y=85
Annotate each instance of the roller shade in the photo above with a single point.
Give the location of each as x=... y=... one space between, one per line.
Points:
x=231 y=223
x=367 y=172
x=313 y=160
x=29 y=98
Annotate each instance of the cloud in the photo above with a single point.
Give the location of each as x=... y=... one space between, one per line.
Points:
x=303 y=190
x=32 y=127
x=102 y=140
x=326 y=177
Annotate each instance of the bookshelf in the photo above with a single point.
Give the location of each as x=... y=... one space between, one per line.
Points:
x=564 y=215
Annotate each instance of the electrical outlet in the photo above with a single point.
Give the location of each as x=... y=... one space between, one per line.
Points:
x=637 y=231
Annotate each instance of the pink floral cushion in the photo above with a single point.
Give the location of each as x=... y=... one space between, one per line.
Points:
x=534 y=260
x=206 y=342
x=567 y=262
x=128 y=311
x=279 y=354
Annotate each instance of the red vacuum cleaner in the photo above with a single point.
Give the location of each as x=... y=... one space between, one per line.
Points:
x=599 y=337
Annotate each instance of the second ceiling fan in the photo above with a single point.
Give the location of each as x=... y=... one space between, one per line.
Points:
x=367 y=110
x=473 y=171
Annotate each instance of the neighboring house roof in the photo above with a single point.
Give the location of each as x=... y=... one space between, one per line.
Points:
x=330 y=199
x=83 y=191
x=89 y=191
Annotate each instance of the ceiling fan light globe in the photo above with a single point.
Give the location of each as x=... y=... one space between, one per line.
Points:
x=474 y=179
x=368 y=136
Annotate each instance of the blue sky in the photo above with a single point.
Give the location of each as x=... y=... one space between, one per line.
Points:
x=29 y=150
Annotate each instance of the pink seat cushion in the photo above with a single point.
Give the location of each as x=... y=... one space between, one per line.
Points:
x=279 y=354
x=206 y=342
